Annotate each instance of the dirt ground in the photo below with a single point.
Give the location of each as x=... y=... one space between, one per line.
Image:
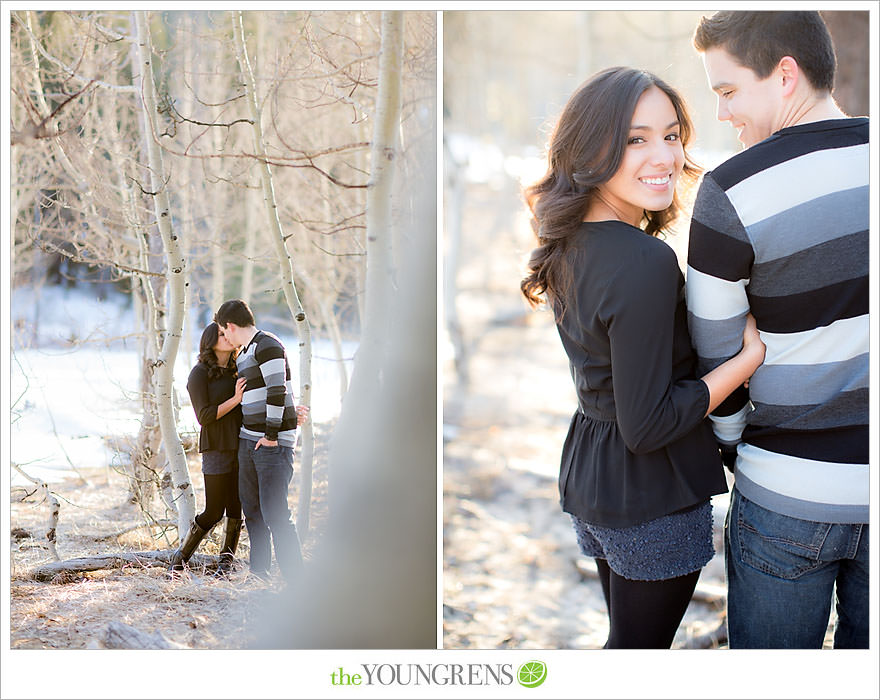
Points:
x=194 y=610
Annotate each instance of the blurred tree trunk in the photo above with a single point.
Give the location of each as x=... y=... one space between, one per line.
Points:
x=372 y=583
x=286 y=267
x=850 y=33
x=175 y=272
x=367 y=376
x=455 y=189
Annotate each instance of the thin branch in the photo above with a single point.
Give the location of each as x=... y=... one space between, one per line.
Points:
x=67 y=69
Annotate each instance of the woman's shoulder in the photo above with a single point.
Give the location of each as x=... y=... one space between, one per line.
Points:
x=625 y=243
x=199 y=372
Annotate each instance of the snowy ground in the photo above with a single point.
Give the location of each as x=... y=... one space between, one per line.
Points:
x=75 y=394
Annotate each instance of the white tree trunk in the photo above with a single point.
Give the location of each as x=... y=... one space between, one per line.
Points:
x=383 y=155
x=54 y=509
x=247 y=272
x=286 y=268
x=366 y=377
x=176 y=275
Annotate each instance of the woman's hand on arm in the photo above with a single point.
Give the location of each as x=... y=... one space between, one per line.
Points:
x=725 y=378
x=233 y=400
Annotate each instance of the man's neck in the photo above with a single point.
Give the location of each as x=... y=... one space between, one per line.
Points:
x=812 y=109
x=249 y=334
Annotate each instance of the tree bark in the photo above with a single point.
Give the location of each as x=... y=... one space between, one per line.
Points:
x=367 y=376
x=54 y=510
x=286 y=267
x=121 y=636
x=176 y=275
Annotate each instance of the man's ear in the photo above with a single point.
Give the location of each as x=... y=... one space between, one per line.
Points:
x=789 y=73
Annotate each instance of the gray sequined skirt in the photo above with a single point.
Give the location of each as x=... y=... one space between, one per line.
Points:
x=666 y=547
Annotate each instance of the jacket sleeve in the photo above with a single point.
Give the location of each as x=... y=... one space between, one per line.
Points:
x=720 y=258
x=639 y=313
x=270 y=357
x=197 y=386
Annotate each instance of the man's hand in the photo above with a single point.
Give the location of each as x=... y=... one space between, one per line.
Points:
x=302 y=414
x=267 y=443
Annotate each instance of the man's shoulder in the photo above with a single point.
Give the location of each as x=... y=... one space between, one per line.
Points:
x=788 y=144
x=268 y=343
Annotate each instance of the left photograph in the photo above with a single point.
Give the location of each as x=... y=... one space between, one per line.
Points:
x=223 y=308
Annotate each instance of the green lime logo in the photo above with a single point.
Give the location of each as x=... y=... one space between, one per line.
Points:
x=531 y=674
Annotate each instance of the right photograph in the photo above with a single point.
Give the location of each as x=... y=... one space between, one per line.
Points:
x=655 y=346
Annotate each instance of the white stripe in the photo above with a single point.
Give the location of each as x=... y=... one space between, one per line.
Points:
x=254 y=395
x=799 y=180
x=729 y=429
x=275 y=366
x=715 y=299
x=842 y=340
x=805 y=479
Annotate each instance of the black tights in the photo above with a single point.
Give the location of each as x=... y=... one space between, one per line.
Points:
x=644 y=614
x=221 y=494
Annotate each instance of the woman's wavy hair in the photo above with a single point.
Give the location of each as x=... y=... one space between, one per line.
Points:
x=585 y=150
x=208 y=357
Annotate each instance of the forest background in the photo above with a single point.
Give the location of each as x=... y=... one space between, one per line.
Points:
x=162 y=162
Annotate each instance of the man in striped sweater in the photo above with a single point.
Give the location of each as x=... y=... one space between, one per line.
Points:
x=780 y=231
x=266 y=441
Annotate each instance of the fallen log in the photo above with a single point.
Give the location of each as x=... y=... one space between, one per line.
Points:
x=48 y=571
x=118 y=635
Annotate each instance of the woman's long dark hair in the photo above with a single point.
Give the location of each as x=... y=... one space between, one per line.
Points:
x=585 y=150
x=208 y=357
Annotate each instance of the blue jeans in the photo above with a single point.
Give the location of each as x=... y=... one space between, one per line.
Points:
x=782 y=573
x=263 y=478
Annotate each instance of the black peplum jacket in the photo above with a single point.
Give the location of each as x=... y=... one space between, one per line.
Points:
x=206 y=395
x=638 y=446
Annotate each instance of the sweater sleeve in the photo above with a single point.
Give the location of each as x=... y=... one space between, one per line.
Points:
x=197 y=386
x=639 y=313
x=720 y=257
x=270 y=357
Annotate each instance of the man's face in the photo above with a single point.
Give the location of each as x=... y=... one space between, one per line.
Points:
x=230 y=332
x=751 y=105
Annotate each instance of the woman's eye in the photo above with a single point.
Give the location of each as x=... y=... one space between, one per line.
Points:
x=673 y=137
x=636 y=139
x=726 y=93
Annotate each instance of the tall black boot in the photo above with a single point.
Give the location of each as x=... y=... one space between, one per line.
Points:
x=230 y=543
x=187 y=546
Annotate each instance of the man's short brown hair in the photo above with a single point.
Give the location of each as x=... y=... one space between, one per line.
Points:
x=234 y=311
x=759 y=40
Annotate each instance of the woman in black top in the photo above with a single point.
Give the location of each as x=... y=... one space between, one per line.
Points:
x=216 y=394
x=640 y=462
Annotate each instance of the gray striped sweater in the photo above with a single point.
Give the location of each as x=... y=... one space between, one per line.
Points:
x=781 y=230
x=267 y=406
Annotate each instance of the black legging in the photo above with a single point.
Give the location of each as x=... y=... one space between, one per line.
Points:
x=644 y=614
x=221 y=494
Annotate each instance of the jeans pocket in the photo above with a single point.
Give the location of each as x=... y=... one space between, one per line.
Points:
x=776 y=544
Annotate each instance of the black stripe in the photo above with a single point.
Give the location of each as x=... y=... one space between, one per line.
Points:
x=847 y=445
x=842 y=258
x=732 y=403
x=712 y=253
x=789 y=143
x=806 y=311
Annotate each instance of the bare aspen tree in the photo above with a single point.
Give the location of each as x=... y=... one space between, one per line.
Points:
x=366 y=380
x=383 y=158
x=176 y=275
x=286 y=266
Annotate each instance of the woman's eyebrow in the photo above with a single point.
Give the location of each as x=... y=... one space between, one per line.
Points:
x=640 y=126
